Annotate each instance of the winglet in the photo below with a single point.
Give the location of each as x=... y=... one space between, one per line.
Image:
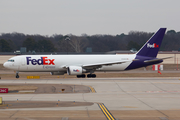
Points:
x=151 y=48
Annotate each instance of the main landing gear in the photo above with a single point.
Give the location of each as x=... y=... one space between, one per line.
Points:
x=17 y=75
x=81 y=76
x=89 y=76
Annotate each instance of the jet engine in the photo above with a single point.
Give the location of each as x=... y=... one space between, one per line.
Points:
x=75 y=70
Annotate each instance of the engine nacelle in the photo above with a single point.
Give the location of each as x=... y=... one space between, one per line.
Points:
x=57 y=73
x=74 y=70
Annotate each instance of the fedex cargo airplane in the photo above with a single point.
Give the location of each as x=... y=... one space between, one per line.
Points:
x=81 y=64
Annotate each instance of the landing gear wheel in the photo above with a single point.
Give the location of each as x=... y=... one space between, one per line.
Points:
x=81 y=76
x=78 y=76
x=17 y=76
x=91 y=75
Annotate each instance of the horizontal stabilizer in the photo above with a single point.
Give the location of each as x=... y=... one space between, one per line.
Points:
x=154 y=60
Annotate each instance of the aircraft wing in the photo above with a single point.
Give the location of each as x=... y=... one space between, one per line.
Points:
x=154 y=60
x=99 y=65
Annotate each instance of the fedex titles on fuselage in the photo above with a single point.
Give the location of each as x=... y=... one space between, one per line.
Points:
x=41 y=61
x=154 y=45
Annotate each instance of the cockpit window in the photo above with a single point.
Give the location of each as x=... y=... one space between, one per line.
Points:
x=10 y=60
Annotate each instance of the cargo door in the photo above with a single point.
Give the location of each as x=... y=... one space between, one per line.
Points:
x=23 y=67
x=23 y=61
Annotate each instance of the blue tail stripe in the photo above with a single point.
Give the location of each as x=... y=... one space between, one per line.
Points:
x=151 y=48
x=149 y=51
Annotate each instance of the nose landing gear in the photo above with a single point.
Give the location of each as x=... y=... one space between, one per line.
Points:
x=17 y=75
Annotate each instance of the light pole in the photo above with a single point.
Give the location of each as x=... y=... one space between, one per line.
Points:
x=67 y=39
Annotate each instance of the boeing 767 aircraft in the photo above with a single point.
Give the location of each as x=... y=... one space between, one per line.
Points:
x=80 y=64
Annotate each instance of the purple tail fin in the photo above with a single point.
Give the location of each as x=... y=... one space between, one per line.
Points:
x=151 y=48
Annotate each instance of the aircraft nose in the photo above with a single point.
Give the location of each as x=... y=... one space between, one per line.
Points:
x=5 y=65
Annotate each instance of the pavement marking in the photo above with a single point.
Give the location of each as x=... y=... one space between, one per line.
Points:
x=92 y=89
x=65 y=118
x=163 y=118
x=33 y=77
x=162 y=91
x=106 y=112
x=173 y=109
x=27 y=91
x=129 y=107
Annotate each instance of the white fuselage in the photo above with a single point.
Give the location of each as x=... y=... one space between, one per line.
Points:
x=53 y=63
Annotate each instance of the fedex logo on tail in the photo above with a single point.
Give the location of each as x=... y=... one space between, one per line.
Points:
x=41 y=61
x=154 y=45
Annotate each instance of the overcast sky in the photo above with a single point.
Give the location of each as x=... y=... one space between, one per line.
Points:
x=48 y=17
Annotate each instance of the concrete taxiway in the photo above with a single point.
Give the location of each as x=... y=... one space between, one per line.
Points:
x=117 y=94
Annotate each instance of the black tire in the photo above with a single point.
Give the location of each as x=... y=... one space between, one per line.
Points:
x=17 y=76
x=83 y=75
x=93 y=75
x=89 y=76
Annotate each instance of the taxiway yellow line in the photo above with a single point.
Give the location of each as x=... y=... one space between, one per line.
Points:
x=92 y=89
x=106 y=112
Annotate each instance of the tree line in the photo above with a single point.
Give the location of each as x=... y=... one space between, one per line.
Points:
x=10 y=42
